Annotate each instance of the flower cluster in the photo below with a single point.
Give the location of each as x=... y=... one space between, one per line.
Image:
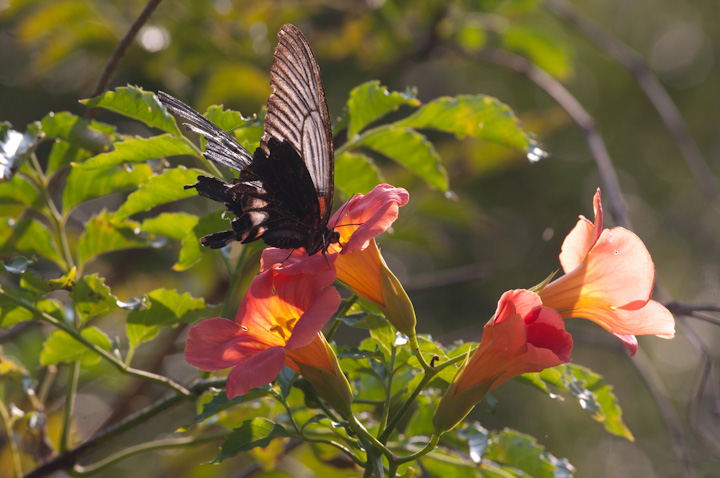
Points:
x=608 y=279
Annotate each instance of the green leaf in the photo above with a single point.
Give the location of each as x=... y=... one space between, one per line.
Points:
x=90 y=136
x=16 y=147
x=62 y=347
x=370 y=101
x=19 y=264
x=137 y=149
x=64 y=154
x=135 y=103
x=35 y=283
x=250 y=134
x=411 y=149
x=523 y=452
x=479 y=116
x=227 y=120
x=543 y=46
x=104 y=233
x=19 y=190
x=12 y=312
x=160 y=189
x=591 y=391
x=219 y=402
x=29 y=236
x=258 y=432
x=85 y=184
x=171 y=224
x=92 y=297
x=355 y=173
x=166 y=308
x=191 y=250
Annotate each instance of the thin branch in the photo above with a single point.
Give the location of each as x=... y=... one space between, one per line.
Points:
x=687 y=308
x=611 y=185
x=70 y=458
x=654 y=91
x=119 y=52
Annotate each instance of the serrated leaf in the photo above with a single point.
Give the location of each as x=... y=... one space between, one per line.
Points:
x=370 y=101
x=249 y=135
x=29 y=236
x=11 y=312
x=191 y=250
x=522 y=452
x=90 y=136
x=161 y=189
x=411 y=149
x=258 y=432
x=166 y=308
x=18 y=190
x=15 y=147
x=138 y=104
x=589 y=388
x=171 y=224
x=33 y=282
x=63 y=154
x=227 y=120
x=85 y=184
x=137 y=149
x=104 y=233
x=355 y=173
x=62 y=347
x=478 y=116
x=92 y=297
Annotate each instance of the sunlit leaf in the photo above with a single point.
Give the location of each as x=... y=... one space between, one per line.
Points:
x=227 y=120
x=137 y=149
x=171 y=224
x=11 y=369
x=31 y=281
x=523 y=452
x=355 y=173
x=543 y=47
x=411 y=149
x=64 y=154
x=370 y=101
x=28 y=236
x=478 y=116
x=589 y=388
x=88 y=135
x=136 y=103
x=191 y=250
x=104 y=233
x=15 y=147
x=20 y=309
x=92 y=297
x=166 y=308
x=161 y=189
x=219 y=402
x=62 y=347
x=85 y=184
x=18 y=190
x=258 y=432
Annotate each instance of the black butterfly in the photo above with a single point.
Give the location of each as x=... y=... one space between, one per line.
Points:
x=284 y=191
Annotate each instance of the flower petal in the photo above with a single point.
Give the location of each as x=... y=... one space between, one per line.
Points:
x=217 y=343
x=257 y=370
x=582 y=238
x=314 y=318
x=364 y=217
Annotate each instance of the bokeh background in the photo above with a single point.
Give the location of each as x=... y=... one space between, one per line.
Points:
x=502 y=224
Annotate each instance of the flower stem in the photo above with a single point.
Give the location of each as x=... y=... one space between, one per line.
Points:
x=385 y=435
x=432 y=444
x=358 y=428
x=415 y=347
x=74 y=374
x=388 y=389
x=7 y=422
x=343 y=310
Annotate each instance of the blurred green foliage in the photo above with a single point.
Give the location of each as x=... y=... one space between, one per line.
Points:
x=499 y=226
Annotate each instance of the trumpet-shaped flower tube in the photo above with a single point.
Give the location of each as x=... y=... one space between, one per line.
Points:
x=523 y=336
x=356 y=258
x=608 y=279
x=279 y=317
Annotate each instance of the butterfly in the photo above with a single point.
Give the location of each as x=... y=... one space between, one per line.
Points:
x=284 y=191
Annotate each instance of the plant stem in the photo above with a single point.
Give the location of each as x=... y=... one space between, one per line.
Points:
x=73 y=375
x=388 y=390
x=7 y=423
x=117 y=363
x=432 y=444
x=385 y=435
x=343 y=310
x=358 y=428
x=415 y=347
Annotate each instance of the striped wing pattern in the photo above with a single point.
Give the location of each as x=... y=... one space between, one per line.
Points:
x=297 y=111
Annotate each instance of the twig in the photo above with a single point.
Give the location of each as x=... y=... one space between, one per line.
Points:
x=611 y=185
x=119 y=52
x=687 y=308
x=654 y=91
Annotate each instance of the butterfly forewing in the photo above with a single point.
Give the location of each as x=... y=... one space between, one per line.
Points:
x=297 y=112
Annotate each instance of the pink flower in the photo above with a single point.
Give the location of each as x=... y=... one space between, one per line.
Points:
x=523 y=336
x=608 y=279
x=356 y=258
x=280 y=314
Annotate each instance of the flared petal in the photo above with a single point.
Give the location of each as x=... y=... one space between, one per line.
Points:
x=259 y=369
x=217 y=343
x=582 y=238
